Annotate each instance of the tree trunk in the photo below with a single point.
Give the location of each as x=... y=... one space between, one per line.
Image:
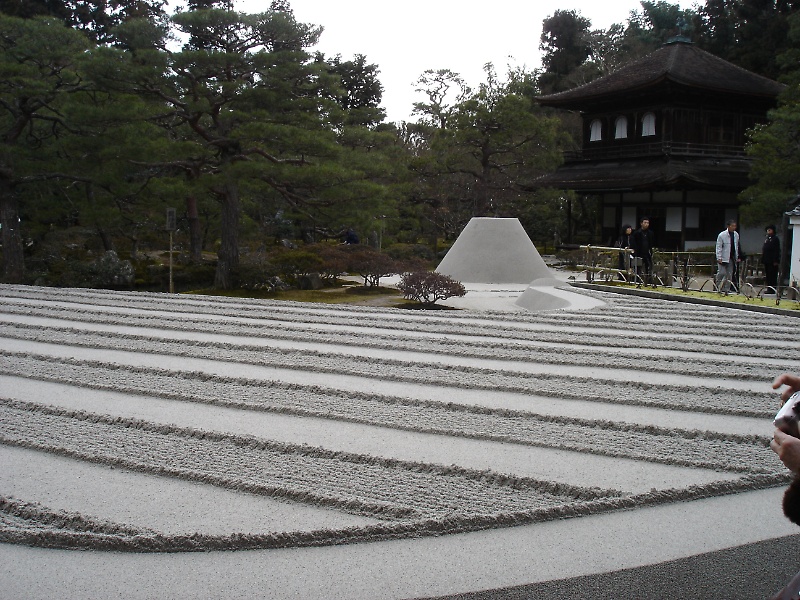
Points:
x=108 y=243
x=195 y=231
x=13 y=254
x=101 y=232
x=228 y=255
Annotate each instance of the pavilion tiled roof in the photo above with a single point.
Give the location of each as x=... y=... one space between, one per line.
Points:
x=677 y=62
x=598 y=177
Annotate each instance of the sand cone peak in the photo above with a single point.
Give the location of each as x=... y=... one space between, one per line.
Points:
x=494 y=250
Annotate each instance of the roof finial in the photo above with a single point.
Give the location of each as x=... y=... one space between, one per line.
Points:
x=681 y=37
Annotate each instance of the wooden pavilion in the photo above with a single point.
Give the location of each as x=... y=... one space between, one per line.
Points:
x=664 y=136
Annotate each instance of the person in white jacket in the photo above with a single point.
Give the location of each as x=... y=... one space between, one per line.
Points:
x=727 y=255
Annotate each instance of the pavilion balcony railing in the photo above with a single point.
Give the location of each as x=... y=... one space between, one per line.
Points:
x=656 y=149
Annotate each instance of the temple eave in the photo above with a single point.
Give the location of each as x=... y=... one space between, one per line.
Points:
x=605 y=177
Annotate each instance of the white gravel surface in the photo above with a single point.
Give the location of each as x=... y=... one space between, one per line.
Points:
x=140 y=423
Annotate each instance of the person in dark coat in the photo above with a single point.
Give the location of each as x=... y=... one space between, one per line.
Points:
x=351 y=237
x=771 y=257
x=643 y=244
x=625 y=240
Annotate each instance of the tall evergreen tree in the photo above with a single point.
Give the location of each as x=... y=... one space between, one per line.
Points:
x=248 y=106
x=492 y=140
x=361 y=90
x=774 y=147
x=26 y=9
x=38 y=75
x=565 y=47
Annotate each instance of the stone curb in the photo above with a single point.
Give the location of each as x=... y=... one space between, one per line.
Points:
x=691 y=300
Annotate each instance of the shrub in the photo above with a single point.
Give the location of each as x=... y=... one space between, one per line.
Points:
x=370 y=264
x=429 y=286
x=107 y=271
x=294 y=264
x=334 y=261
x=110 y=271
x=192 y=276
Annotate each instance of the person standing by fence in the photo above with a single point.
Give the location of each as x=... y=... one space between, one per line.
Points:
x=727 y=251
x=771 y=257
x=643 y=244
x=624 y=241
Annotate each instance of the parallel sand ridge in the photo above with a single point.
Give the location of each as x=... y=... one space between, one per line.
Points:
x=206 y=423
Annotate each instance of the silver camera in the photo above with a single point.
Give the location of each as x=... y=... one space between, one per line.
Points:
x=788 y=416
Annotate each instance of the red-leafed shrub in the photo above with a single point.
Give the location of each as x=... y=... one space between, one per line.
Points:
x=427 y=287
x=370 y=264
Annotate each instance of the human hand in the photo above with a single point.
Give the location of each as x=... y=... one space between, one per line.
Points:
x=791 y=381
x=787 y=447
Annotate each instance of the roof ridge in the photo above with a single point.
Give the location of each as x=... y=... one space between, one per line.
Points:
x=692 y=67
x=673 y=52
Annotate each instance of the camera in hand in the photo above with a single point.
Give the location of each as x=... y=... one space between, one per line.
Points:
x=787 y=418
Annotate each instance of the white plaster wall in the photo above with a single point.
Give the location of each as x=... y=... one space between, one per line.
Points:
x=794 y=261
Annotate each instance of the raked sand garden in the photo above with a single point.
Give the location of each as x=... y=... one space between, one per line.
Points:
x=169 y=446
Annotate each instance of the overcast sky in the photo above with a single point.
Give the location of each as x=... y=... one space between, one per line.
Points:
x=404 y=38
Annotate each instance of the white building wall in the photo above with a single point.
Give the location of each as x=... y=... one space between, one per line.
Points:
x=794 y=261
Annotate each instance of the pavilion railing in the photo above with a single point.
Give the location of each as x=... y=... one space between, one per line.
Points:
x=663 y=148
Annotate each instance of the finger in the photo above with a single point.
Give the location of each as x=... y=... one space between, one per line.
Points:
x=779 y=381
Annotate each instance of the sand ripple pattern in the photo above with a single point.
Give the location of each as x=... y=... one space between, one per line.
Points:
x=690 y=448
x=38 y=327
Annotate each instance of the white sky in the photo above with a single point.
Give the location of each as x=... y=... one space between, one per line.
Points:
x=405 y=38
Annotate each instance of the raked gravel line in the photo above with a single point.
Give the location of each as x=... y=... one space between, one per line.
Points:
x=453 y=342
x=533 y=462
x=428 y=382
x=702 y=449
x=283 y=366
x=576 y=383
x=538 y=360
x=657 y=318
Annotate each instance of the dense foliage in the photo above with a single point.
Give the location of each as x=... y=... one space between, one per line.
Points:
x=774 y=147
x=112 y=112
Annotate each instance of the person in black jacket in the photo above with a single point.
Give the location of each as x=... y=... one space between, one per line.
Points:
x=643 y=244
x=771 y=257
x=625 y=240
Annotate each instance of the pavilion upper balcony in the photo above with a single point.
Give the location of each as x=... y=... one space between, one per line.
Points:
x=654 y=149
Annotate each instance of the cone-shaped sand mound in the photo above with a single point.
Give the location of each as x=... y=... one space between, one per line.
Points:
x=493 y=250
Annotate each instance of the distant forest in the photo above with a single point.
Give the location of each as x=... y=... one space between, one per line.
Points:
x=113 y=112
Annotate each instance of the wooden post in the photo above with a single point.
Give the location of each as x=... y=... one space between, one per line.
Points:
x=171 y=223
